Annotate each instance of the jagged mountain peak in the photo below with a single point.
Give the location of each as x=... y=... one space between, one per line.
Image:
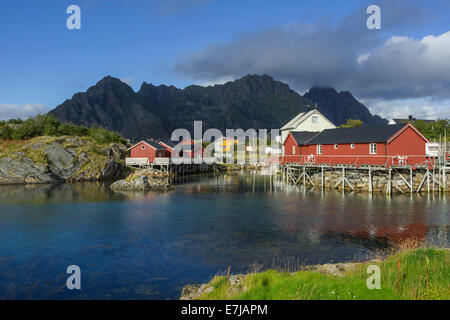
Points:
x=253 y=101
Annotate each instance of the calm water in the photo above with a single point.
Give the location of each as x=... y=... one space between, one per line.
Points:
x=132 y=246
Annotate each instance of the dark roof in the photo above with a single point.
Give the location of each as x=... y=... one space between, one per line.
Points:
x=356 y=135
x=302 y=137
x=155 y=145
x=170 y=143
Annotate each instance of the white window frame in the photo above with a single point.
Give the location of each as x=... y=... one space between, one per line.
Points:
x=315 y=119
x=373 y=148
x=143 y=147
x=319 y=149
x=293 y=149
x=352 y=146
x=335 y=146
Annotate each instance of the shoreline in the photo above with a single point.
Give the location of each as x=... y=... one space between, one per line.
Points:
x=418 y=273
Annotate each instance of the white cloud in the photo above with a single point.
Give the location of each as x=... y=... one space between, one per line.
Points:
x=406 y=67
x=10 y=111
x=363 y=57
x=344 y=55
x=423 y=108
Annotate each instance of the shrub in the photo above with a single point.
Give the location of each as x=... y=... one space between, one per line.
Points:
x=49 y=125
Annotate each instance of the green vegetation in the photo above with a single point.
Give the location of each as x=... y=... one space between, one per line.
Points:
x=48 y=125
x=352 y=123
x=433 y=130
x=420 y=274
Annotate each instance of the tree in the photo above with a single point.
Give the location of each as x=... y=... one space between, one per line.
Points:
x=352 y=123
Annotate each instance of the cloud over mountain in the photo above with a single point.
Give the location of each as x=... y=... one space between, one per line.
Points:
x=348 y=56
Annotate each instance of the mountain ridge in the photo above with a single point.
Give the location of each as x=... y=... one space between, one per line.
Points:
x=253 y=101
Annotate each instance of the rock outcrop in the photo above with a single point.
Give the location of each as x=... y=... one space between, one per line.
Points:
x=143 y=180
x=60 y=159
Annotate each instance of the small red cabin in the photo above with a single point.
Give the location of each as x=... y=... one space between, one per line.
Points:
x=148 y=149
x=379 y=145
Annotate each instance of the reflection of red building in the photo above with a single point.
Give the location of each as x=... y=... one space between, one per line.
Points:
x=394 y=234
x=378 y=145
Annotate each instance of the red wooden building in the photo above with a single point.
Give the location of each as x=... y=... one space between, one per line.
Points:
x=378 y=145
x=191 y=151
x=149 y=149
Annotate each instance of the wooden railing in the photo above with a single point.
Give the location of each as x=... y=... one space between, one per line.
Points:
x=162 y=161
x=137 y=162
x=359 y=160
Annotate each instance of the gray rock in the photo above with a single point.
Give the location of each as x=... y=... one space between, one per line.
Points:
x=194 y=291
x=61 y=161
x=16 y=170
x=141 y=183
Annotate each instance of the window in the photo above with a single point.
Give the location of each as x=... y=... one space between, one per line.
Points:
x=143 y=147
x=319 y=149
x=335 y=146
x=315 y=119
x=293 y=149
x=373 y=148
x=352 y=146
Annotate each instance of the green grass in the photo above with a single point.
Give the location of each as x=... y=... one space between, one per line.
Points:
x=421 y=274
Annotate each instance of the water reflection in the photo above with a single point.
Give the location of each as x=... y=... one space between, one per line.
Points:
x=148 y=245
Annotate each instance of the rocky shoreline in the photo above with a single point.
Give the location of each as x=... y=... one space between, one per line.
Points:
x=60 y=159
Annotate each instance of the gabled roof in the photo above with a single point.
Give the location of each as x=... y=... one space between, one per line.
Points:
x=290 y=124
x=156 y=145
x=150 y=143
x=169 y=143
x=301 y=117
x=302 y=137
x=357 y=135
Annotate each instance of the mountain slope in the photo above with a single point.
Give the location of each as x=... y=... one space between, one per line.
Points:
x=155 y=111
x=339 y=107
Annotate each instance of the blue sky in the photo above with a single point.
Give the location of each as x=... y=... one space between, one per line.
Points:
x=178 y=42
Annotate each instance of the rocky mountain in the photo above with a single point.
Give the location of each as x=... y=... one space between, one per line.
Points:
x=155 y=111
x=338 y=107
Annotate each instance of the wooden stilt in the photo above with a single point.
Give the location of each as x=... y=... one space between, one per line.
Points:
x=323 y=180
x=411 y=179
x=389 y=181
